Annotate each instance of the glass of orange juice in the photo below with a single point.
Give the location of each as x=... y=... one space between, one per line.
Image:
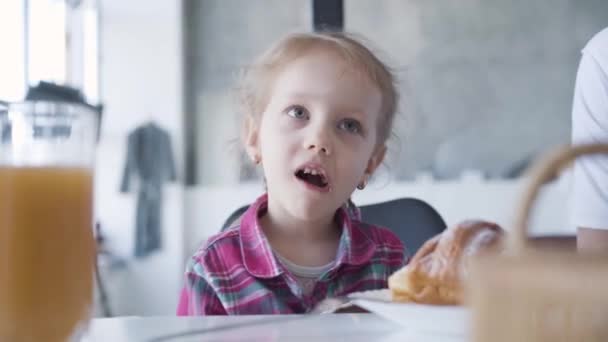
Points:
x=47 y=250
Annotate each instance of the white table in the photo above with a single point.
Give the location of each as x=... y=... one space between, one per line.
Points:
x=336 y=327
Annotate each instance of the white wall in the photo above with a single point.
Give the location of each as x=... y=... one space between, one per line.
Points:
x=141 y=79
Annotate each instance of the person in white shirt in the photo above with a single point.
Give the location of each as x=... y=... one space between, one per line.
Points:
x=589 y=201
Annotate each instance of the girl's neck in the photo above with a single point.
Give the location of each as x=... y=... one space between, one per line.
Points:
x=277 y=223
x=303 y=242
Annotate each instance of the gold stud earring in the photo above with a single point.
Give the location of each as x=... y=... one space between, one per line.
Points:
x=255 y=159
x=362 y=184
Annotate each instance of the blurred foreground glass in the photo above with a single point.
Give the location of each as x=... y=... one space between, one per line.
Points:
x=47 y=248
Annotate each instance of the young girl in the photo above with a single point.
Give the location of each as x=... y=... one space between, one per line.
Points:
x=319 y=108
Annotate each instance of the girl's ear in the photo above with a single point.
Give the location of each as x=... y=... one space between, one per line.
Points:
x=375 y=160
x=250 y=138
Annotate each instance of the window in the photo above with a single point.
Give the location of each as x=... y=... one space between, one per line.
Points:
x=51 y=41
x=12 y=55
x=46 y=41
x=90 y=50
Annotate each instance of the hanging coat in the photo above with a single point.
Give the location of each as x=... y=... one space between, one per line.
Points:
x=150 y=160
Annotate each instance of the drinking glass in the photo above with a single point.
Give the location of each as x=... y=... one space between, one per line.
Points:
x=47 y=249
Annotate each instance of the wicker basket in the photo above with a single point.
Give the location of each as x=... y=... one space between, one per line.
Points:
x=532 y=294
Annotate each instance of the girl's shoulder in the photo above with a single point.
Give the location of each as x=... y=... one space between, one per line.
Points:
x=389 y=249
x=381 y=236
x=225 y=244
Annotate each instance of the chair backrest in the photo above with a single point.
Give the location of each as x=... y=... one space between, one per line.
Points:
x=412 y=220
x=235 y=217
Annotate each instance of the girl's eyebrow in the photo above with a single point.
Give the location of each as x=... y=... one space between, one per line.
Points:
x=300 y=95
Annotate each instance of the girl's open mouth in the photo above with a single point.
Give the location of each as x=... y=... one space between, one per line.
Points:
x=314 y=177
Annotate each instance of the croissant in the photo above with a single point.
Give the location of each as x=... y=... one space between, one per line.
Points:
x=436 y=272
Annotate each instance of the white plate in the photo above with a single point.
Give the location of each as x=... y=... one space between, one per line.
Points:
x=435 y=319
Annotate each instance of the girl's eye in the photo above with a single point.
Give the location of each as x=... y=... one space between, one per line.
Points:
x=297 y=112
x=351 y=126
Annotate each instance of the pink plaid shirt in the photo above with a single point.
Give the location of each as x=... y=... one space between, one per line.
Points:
x=236 y=272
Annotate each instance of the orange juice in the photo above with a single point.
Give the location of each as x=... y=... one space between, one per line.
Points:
x=46 y=252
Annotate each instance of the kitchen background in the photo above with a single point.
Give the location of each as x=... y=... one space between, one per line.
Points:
x=486 y=87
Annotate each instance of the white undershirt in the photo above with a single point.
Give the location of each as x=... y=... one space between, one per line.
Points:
x=306 y=276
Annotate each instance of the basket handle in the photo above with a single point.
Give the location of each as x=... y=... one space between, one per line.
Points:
x=543 y=171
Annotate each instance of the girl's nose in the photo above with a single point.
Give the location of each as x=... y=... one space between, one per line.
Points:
x=320 y=148
x=319 y=142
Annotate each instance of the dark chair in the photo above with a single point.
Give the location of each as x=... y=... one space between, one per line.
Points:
x=412 y=220
x=235 y=217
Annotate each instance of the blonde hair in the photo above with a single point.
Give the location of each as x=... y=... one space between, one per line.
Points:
x=256 y=80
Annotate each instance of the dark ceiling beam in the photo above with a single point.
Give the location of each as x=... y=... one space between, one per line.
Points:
x=328 y=15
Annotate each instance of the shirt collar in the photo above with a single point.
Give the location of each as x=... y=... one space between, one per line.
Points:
x=355 y=247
